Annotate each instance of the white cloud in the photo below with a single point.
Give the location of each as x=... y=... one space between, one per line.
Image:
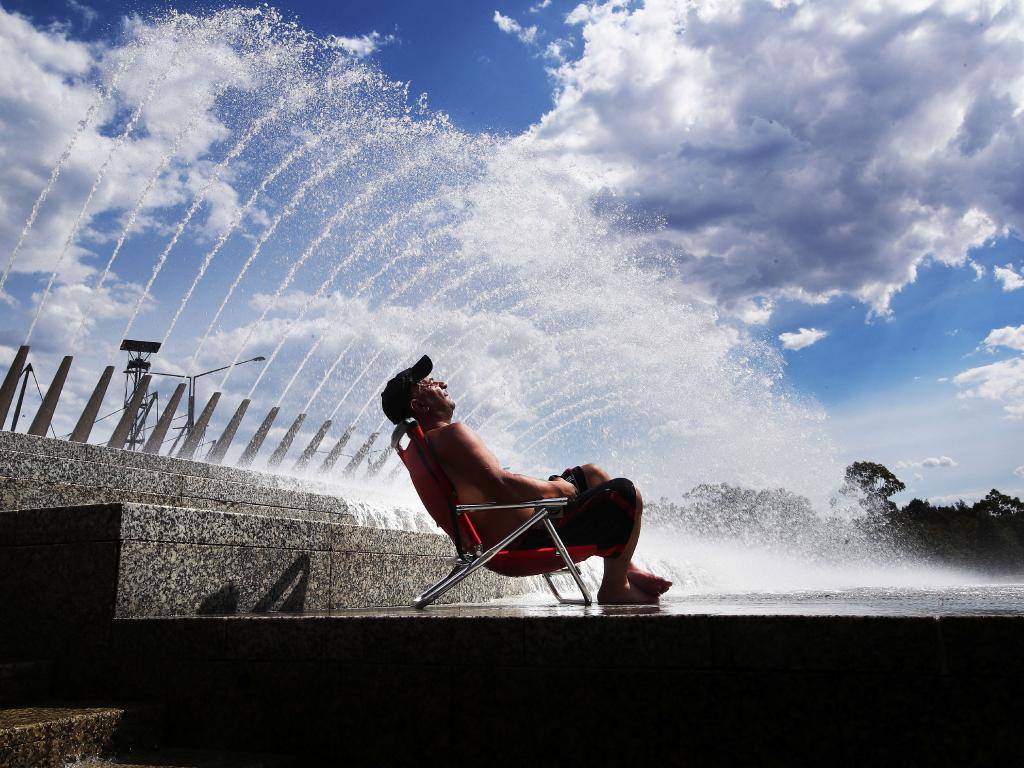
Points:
x=802 y=338
x=1002 y=382
x=87 y=13
x=979 y=269
x=929 y=463
x=1019 y=471
x=743 y=124
x=361 y=46
x=510 y=26
x=1010 y=279
x=539 y=6
x=1010 y=337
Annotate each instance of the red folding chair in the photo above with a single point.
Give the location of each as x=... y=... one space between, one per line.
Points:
x=438 y=496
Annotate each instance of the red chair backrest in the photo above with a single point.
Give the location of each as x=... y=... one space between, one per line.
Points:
x=432 y=484
x=438 y=495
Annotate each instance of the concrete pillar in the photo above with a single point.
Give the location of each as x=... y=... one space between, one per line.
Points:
x=289 y=437
x=216 y=454
x=82 y=430
x=310 y=451
x=335 y=454
x=156 y=437
x=373 y=467
x=188 y=450
x=257 y=439
x=394 y=473
x=41 y=423
x=10 y=385
x=361 y=454
x=21 y=397
x=128 y=417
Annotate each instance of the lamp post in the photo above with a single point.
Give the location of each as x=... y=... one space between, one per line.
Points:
x=191 y=416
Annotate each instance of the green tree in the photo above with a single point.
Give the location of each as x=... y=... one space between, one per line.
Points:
x=999 y=504
x=873 y=480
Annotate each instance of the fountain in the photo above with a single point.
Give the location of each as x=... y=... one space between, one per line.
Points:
x=339 y=232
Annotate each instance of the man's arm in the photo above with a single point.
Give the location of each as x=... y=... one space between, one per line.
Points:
x=470 y=464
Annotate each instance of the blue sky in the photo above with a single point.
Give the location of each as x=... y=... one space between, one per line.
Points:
x=453 y=50
x=870 y=208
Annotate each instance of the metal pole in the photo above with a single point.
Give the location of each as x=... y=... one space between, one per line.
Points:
x=191 y=404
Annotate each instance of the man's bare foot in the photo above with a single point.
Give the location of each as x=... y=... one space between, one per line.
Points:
x=647 y=582
x=625 y=595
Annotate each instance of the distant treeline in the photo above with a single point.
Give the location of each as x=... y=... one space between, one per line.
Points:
x=987 y=535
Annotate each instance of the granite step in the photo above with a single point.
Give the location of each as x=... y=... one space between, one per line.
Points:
x=23 y=682
x=188 y=758
x=48 y=736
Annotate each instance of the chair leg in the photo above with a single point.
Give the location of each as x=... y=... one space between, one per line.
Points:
x=457 y=574
x=574 y=571
x=552 y=587
x=464 y=569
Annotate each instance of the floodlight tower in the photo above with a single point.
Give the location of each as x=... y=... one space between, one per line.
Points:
x=139 y=353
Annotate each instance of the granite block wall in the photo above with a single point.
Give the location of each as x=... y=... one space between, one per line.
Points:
x=38 y=472
x=172 y=561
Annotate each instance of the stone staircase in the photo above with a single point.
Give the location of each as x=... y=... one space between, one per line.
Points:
x=38 y=732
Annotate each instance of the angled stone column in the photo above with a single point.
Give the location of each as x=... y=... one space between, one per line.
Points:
x=307 y=454
x=10 y=385
x=394 y=473
x=335 y=454
x=289 y=437
x=41 y=423
x=220 y=448
x=257 y=439
x=83 y=428
x=361 y=454
x=373 y=467
x=156 y=437
x=125 y=424
x=195 y=437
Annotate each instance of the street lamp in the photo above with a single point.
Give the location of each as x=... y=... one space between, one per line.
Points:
x=191 y=419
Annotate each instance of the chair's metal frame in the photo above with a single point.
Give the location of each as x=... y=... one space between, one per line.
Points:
x=468 y=562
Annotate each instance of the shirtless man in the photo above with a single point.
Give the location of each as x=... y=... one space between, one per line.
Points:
x=607 y=512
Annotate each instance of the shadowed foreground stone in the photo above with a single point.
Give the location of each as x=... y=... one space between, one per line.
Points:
x=394 y=687
x=189 y=758
x=49 y=736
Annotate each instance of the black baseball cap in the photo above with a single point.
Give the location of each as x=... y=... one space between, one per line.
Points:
x=397 y=395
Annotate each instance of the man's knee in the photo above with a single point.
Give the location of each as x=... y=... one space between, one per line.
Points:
x=595 y=475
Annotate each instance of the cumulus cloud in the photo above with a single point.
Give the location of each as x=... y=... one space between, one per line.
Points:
x=1019 y=471
x=510 y=26
x=361 y=46
x=1010 y=278
x=802 y=338
x=1010 y=337
x=88 y=14
x=800 y=149
x=931 y=462
x=1002 y=382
